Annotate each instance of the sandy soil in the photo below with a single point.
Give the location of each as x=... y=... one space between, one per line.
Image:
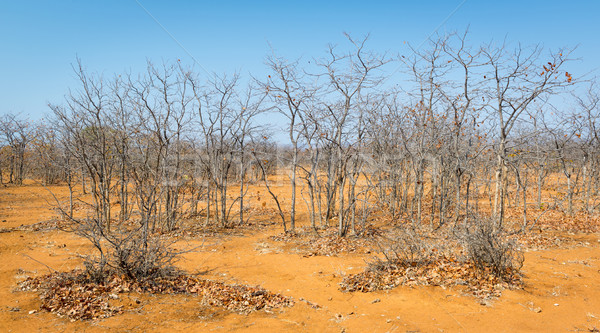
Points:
x=561 y=294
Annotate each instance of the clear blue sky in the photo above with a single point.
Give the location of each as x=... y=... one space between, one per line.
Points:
x=39 y=40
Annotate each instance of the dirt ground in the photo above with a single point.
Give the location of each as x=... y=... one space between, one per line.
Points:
x=561 y=293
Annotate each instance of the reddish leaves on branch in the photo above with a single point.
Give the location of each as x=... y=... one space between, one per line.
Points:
x=569 y=77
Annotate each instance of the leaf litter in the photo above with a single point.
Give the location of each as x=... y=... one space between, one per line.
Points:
x=441 y=270
x=73 y=295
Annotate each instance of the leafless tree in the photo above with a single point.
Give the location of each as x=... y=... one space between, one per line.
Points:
x=516 y=78
x=17 y=133
x=349 y=77
x=290 y=95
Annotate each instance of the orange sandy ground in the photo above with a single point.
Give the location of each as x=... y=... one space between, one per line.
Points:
x=563 y=283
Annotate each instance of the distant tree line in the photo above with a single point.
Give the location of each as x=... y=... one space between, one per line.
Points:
x=460 y=130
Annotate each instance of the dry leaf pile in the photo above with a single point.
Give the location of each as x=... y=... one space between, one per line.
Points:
x=533 y=241
x=196 y=227
x=332 y=245
x=286 y=237
x=328 y=243
x=558 y=220
x=68 y=295
x=443 y=271
x=581 y=222
x=39 y=226
x=73 y=295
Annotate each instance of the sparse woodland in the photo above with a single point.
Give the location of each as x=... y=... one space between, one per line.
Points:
x=445 y=162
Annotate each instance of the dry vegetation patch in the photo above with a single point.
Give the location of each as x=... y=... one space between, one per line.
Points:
x=439 y=270
x=195 y=227
x=47 y=225
x=580 y=222
x=541 y=241
x=74 y=295
x=476 y=253
x=327 y=242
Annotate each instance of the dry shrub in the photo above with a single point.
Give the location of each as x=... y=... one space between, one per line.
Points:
x=126 y=250
x=474 y=254
x=406 y=245
x=489 y=246
x=141 y=257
